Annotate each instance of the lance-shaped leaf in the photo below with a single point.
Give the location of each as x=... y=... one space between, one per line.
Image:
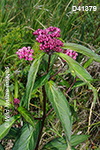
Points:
x=31 y=79
x=12 y=133
x=27 y=115
x=78 y=84
x=82 y=49
x=5 y=127
x=78 y=69
x=77 y=139
x=60 y=105
x=27 y=137
x=56 y=144
x=60 y=144
x=87 y=63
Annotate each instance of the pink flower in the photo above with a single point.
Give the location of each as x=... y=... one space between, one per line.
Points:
x=48 y=39
x=16 y=101
x=26 y=53
x=71 y=53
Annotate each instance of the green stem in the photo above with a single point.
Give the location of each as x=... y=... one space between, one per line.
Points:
x=69 y=146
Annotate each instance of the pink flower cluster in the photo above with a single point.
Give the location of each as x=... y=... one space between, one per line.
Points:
x=26 y=53
x=48 y=39
x=71 y=53
x=16 y=101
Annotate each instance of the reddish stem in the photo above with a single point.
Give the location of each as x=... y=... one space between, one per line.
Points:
x=70 y=86
x=49 y=112
x=57 y=72
x=48 y=63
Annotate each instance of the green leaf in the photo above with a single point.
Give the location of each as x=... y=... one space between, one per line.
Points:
x=12 y=133
x=60 y=144
x=56 y=144
x=40 y=82
x=27 y=115
x=16 y=88
x=82 y=49
x=27 y=137
x=5 y=127
x=79 y=70
x=31 y=79
x=72 y=71
x=5 y=104
x=11 y=56
x=11 y=98
x=88 y=62
x=60 y=105
x=78 y=84
x=77 y=139
x=1 y=147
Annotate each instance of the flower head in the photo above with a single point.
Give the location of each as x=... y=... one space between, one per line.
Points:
x=16 y=101
x=48 y=39
x=26 y=53
x=71 y=53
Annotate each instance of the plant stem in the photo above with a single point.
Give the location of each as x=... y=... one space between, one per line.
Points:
x=49 y=112
x=69 y=147
x=44 y=116
x=57 y=72
x=70 y=86
x=48 y=63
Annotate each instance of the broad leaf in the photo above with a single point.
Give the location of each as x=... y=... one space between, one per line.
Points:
x=77 y=139
x=27 y=115
x=60 y=105
x=82 y=49
x=56 y=144
x=27 y=137
x=60 y=144
x=31 y=79
x=79 y=70
x=5 y=127
x=12 y=133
